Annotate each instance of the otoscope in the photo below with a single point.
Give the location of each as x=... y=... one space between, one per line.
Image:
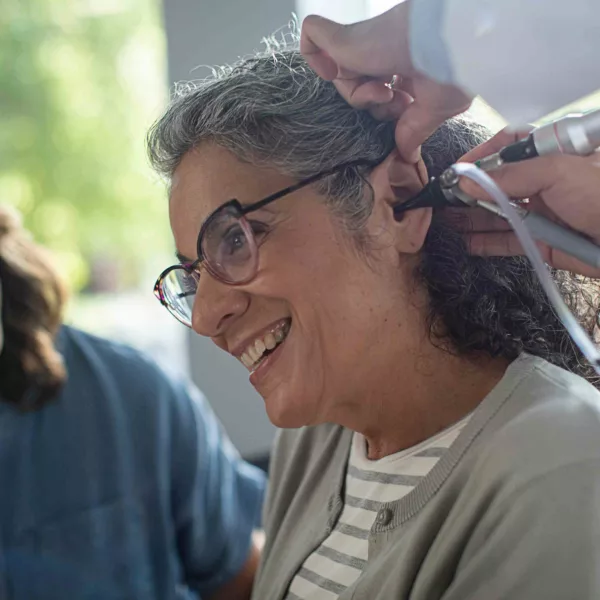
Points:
x=573 y=134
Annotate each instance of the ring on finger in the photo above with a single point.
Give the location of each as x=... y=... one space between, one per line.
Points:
x=393 y=81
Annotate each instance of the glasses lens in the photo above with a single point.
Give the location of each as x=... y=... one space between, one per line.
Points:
x=228 y=246
x=179 y=289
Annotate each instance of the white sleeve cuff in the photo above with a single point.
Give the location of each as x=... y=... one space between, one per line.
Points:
x=427 y=46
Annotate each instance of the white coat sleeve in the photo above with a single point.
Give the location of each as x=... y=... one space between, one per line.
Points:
x=526 y=58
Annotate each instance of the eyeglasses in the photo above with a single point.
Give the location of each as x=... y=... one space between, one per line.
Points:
x=227 y=249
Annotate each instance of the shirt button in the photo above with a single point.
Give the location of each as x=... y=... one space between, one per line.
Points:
x=384 y=516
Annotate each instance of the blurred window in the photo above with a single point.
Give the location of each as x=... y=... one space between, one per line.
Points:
x=80 y=82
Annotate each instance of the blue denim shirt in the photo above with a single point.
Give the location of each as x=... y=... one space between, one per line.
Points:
x=125 y=487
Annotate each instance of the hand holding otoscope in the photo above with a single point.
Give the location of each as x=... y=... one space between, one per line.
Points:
x=577 y=135
x=567 y=186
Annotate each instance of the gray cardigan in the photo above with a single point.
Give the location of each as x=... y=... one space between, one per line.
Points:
x=511 y=511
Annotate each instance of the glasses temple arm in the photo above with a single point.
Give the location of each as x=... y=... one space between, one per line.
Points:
x=304 y=182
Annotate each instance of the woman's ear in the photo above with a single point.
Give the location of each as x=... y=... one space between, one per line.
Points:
x=394 y=181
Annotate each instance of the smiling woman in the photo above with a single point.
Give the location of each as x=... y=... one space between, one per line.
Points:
x=425 y=392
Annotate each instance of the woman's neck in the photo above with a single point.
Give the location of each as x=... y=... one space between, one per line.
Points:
x=433 y=391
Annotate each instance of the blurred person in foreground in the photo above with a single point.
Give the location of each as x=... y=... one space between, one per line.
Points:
x=117 y=481
x=440 y=440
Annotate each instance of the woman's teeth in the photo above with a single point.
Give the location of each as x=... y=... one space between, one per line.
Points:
x=256 y=351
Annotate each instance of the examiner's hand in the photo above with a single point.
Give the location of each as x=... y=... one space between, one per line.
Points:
x=563 y=188
x=361 y=58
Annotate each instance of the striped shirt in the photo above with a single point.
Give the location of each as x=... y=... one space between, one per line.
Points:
x=338 y=562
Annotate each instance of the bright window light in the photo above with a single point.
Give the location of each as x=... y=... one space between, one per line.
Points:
x=376 y=7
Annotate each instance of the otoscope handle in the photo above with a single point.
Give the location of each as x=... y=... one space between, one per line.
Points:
x=561 y=238
x=576 y=134
x=552 y=234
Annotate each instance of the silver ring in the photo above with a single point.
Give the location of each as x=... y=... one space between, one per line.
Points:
x=392 y=82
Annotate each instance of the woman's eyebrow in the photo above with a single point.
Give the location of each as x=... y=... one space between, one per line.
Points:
x=182 y=258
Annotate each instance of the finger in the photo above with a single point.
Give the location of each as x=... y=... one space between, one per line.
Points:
x=316 y=40
x=364 y=92
x=500 y=243
x=475 y=220
x=323 y=65
x=495 y=144
x=376 y=46
x=392 y=110
x=527 y=178
x=507 y=244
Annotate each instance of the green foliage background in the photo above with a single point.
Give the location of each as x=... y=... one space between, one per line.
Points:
x=80 y=82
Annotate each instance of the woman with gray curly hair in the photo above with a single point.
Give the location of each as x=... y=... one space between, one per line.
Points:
x=439 y=439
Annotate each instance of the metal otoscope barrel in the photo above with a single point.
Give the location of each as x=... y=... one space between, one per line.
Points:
x=573 y=134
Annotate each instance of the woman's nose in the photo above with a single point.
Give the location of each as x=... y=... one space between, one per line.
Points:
x=216 y=304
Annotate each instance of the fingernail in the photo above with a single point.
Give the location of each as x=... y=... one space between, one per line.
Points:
x=415 y=156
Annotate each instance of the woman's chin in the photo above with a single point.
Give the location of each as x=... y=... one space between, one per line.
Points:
x=285 y=414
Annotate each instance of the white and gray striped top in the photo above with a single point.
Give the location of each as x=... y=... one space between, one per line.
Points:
x=341 y=558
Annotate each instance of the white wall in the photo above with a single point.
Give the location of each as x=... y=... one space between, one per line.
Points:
x=343 y=11
x=376 y=7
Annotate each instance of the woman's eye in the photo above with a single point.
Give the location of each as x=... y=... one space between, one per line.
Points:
x=234 y=240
